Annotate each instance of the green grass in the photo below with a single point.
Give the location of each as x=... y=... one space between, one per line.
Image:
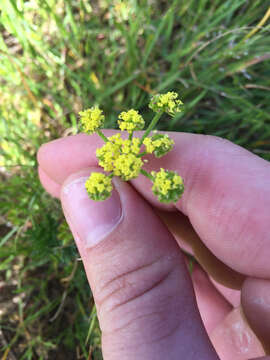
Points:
x=59 y=56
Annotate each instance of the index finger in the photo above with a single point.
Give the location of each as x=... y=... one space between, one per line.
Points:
x=227 y=191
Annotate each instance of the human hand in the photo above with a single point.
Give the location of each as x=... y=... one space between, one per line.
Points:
x=137 y=273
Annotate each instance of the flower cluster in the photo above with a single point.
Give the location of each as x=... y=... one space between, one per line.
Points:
x=167 y=185
x=130 y=120
x=167 y=103
x=92 y=119
x=115 y=148
x=99 y=186
x=123 y=157
x=128 y=166
x=158 y=144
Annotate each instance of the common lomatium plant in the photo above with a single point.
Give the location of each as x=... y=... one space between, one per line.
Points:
x=124 y=157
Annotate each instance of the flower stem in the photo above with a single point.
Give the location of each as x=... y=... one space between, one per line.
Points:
x=111 y=175
x=145 y=173
x=103 y=137
x=151 y=126
x=142 y=154
x=130 y=136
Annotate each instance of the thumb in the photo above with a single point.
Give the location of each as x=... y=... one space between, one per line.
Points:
x=143 y=293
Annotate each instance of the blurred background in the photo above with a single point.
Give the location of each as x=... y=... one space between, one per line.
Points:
x=58 y=57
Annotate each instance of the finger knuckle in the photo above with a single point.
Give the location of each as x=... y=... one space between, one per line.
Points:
x=139 y=293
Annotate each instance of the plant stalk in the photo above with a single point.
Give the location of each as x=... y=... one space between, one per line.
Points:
x=145 y=173
x=103 y=137
x=151 y=126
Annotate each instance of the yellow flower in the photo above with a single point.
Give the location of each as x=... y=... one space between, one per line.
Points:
x=158 y=144
x=109 y=152
x=127 y=166
x=98 y=186
x=168 y=103
x=123 y=157
x=131 y=146
x=115 y=147
x=168 y=186
x=149 y=146
x=130 y=121
x=92 y=119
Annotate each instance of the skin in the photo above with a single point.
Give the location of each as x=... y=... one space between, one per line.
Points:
x=138 y=274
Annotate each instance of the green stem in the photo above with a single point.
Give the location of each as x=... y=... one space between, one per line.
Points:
x=111 y=175
x=130 y=136
x=145 y=173
x=103 y=137
x=93 y=317
x=151 y=126
x=142 y=154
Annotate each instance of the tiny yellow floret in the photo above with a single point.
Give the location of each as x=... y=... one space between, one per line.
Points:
x=92 y=119
x=130 y=121
x=98 y=186
x=168 y=186
x=149 y=146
